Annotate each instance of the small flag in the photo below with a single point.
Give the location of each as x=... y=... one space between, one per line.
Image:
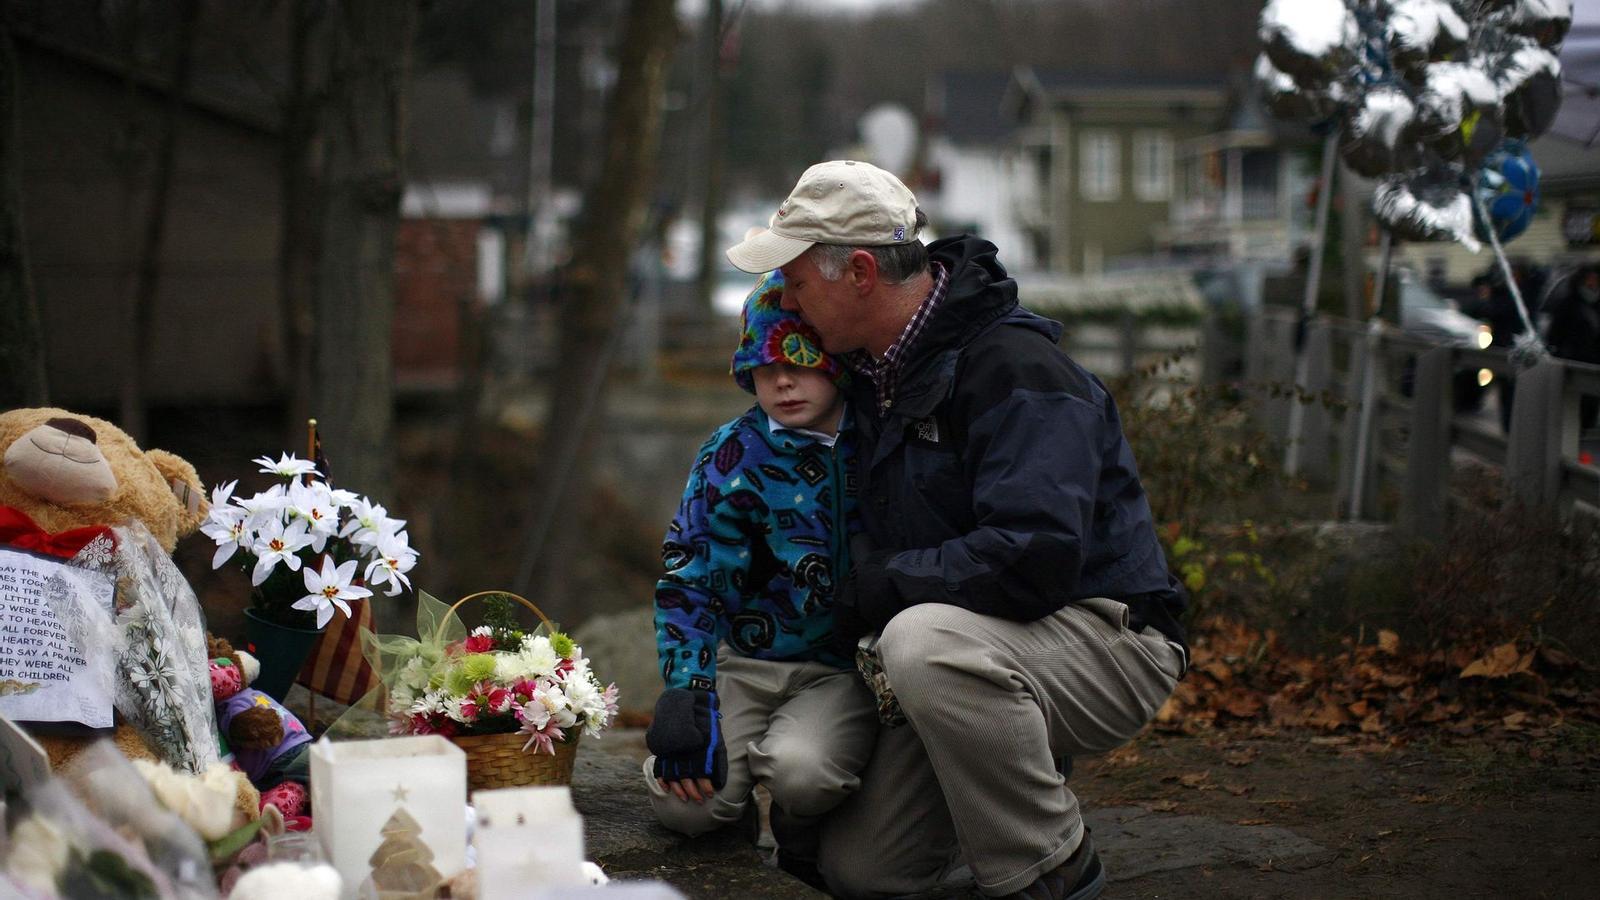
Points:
x=337 y=669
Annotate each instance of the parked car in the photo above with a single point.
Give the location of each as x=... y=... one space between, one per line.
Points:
x=1427 y=315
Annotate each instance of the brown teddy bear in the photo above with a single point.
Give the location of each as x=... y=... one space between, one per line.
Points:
x=65 y=479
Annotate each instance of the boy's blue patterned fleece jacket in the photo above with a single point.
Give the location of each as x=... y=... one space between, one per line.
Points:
x=754 y=552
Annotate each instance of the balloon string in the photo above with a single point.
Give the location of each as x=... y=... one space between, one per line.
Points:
x=1505 y=266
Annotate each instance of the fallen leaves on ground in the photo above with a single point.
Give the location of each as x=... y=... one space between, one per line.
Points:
x=1378 y=690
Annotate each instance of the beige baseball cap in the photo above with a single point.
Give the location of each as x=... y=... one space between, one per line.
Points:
x=844 y=202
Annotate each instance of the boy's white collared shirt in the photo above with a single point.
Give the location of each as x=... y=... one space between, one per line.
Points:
x=826 y=440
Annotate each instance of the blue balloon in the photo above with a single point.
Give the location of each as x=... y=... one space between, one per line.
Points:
x=1508 y=187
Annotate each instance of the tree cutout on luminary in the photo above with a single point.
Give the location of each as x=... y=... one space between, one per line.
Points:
x=402 y=866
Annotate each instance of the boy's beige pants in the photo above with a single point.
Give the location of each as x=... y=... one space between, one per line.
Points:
x=802 y=729
x=992 y=705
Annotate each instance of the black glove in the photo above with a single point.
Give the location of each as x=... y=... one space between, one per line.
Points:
x=866 y=601
x=686 y=737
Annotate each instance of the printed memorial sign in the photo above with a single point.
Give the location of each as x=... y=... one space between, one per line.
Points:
x=48 y=610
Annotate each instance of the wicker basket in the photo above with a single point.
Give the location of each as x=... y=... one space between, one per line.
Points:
x=498 y=760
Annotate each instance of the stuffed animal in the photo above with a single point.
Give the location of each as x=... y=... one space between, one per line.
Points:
x=65 y=479
x=268 y=742
x=65 y=471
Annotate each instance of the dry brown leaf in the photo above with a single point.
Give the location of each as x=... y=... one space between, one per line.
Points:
x=1388 y=641
x=1252 y=822
x=1372 y=724
x=1194 y=779
x=1501 y=662
x=1514 y=721
x=1164 y=806
x=1238 y=790
x=1329 y=717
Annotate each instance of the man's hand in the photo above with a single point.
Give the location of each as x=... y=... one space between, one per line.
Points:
x=686 y=738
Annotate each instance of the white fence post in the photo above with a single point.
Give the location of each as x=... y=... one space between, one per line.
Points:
x=1312 y=459
x=1538 y=423
x=1423 y=507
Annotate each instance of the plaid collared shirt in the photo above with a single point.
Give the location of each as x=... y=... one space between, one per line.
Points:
x=885 y=372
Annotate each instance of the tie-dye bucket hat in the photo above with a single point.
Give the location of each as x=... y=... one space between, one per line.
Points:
x=772 y=334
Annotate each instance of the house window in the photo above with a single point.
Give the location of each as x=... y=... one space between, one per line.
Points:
x=1100 y=177
x=1152 y=166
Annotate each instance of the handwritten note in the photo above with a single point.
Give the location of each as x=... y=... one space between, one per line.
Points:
x=45 y=676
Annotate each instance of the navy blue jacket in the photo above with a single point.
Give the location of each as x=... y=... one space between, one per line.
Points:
x=999 y=479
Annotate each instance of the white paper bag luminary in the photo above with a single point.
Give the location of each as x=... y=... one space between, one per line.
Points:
x=528 y=840
x=404 y=796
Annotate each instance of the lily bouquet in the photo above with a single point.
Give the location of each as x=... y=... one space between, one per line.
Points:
x=309 y=548
x=501 y=680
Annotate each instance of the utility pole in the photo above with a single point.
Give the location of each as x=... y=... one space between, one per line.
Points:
x=536 y=257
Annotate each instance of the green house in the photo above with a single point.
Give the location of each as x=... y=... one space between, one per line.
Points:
x=1102 y=150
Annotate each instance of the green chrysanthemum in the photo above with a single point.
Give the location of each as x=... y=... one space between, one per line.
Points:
x=473 y=668
x=562 y=645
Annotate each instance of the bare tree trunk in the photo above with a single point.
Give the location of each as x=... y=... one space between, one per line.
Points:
x=711 y=196
x=300 y=233
x=22 y=373
x=593 y=301
x=141 y=307
x=371 y=43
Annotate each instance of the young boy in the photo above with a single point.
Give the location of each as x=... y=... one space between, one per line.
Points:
x=744 y=612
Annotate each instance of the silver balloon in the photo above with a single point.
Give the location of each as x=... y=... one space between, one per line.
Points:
x=1287 y=100
x=1381 y=134
x=1529 y=79
x=1546 y=21
x=1424 y=30
x=1458 y=112
x=1312 y=41
x=1427 y=207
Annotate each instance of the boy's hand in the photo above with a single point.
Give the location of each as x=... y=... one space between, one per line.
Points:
x=686 y=737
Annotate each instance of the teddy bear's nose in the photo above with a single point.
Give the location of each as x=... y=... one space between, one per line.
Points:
x=73 y=427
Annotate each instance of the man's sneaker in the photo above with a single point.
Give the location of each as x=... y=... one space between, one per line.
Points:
x=1081 y=877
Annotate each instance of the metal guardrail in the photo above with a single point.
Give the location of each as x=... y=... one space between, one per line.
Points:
x=1401 y=437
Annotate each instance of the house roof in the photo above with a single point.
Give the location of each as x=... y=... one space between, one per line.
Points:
x=1029 y=86
x=968 y=106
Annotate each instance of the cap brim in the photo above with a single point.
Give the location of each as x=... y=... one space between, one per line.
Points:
x=766 y=251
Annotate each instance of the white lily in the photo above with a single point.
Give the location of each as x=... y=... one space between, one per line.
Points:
x=330 y=588
x=264 y=506
x=222 y=493
x=287 y=466
x=368 y=522
x=226 y=525
x=342 y=498
x=395 y=559
x=277 y=543
x=313 y=504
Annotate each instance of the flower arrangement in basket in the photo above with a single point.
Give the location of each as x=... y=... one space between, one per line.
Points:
x=304 y=543
x=515 y=701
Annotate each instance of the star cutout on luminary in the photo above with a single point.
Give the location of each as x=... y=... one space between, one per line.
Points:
x=399 y=793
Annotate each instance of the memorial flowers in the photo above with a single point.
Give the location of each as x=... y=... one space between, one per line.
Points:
x=310 y=548
x=500 y=680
